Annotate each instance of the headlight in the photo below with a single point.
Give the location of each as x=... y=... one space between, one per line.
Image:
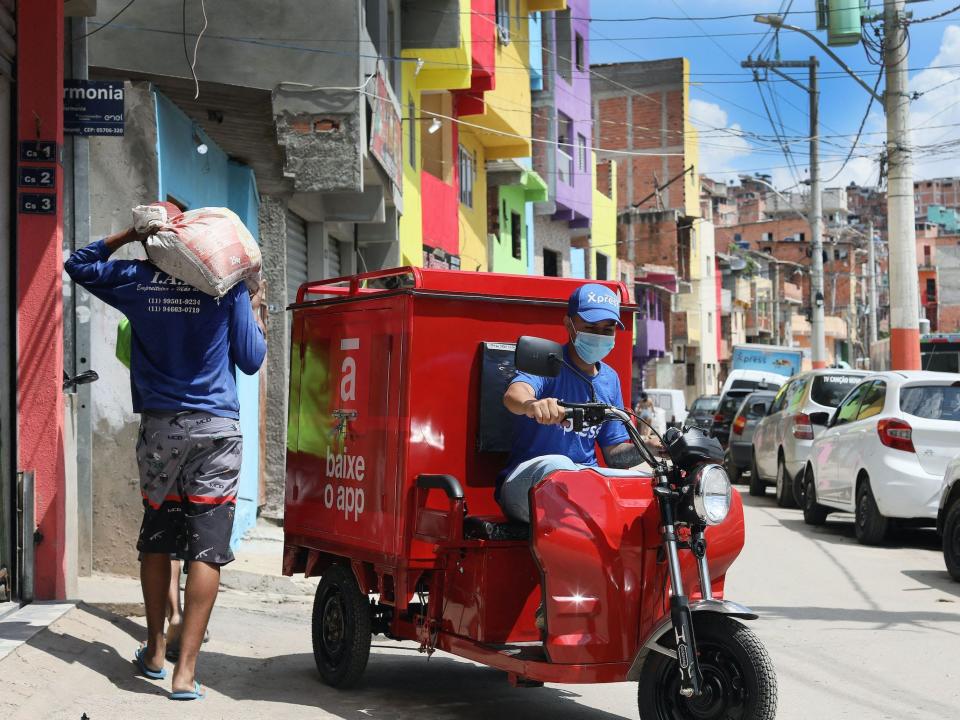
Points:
x=711 y=494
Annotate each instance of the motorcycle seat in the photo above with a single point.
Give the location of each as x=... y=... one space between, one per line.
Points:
x=494 y=528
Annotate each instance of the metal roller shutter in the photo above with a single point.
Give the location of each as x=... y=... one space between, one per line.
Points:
x=296 y=254
x=333 y=258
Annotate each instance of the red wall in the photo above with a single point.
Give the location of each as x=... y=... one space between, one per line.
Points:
x=40 y=294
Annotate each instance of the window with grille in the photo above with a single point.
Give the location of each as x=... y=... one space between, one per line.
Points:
x=581 y=153
x=516 y=236
x=467 y=167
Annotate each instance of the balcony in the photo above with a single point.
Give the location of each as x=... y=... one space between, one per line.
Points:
x=792 y=293
x=742 y=293
x=564 y=166
x=651 y=339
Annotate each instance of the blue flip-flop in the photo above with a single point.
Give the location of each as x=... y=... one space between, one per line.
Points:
x=194 y=694
x=139 y=661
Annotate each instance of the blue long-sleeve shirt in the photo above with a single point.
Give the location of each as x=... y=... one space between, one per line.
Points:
x=185 y=344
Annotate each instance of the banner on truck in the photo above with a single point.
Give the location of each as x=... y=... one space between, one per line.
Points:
x=783 y=362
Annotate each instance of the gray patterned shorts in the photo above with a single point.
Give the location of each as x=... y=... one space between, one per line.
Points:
x=189 y=473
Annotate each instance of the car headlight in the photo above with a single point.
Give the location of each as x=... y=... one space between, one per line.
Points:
x=711 y=494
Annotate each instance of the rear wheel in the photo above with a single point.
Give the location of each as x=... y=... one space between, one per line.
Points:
x=813 y=512
x=784 y=486
x=733 y=472
x=871 y=526
x=739 y=680
x=758 y=488
x=341 y=628
x=951 y=540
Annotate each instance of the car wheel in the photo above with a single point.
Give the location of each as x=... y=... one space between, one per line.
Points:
x=784 y=486
x=758 y=488
x=733 y=472
x=341 y=628
x=871 y=527
x=800 y=489
x=813 y=512
x=951 y=540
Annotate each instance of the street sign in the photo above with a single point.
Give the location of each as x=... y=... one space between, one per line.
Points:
x=36 y=204
x=36 y=177
x=92 y=107
x=38 y=151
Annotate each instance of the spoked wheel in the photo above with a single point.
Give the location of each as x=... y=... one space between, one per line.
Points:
x=341 y=628
x=739 y=682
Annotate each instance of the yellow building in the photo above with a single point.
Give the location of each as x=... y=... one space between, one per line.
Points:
x=603 y=227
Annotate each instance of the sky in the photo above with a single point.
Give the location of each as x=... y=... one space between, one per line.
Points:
x=727 y=106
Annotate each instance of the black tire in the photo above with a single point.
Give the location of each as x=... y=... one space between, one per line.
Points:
x=784 y=486
x=951 y=540
x=871 y=527
x=813 y=512
x=341 y=628
x=800 y=489
x=739 y=680
x=758 y=488
x=733 y=472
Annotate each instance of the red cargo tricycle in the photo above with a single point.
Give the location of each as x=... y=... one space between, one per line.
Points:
x=397 y=431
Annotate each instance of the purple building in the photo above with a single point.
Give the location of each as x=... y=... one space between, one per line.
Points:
x=562 y=114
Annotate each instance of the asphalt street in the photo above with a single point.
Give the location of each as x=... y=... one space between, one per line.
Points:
x=855 y=632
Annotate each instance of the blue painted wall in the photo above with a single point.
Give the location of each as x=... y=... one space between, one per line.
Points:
x=536 y=52
x=213 y=180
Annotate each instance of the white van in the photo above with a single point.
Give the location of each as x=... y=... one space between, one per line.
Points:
x=747 y=381
x=672 y=402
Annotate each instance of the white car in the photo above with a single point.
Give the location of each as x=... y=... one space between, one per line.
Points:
x=884 y=452
x=782 y=440
x=948 y=518
x=672 y=402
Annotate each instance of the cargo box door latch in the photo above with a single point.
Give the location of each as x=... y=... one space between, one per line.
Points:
x=343 y=417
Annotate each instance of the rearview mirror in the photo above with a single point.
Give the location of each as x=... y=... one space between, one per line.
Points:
x=538 y=356
x=820 y=418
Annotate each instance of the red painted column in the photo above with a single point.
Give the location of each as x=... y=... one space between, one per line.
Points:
x=39 y=288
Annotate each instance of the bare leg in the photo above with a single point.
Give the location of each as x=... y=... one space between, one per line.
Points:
x=174 y=609
x=203 y=583
x=155 y=582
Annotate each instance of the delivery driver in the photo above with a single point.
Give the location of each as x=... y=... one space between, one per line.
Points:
x=185 y=346
x=543 y=441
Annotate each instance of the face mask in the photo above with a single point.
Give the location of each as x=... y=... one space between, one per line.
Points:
x=593 y=348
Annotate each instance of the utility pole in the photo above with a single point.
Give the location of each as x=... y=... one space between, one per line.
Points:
x=815 y=214
x=901 y=233
x=872 y=279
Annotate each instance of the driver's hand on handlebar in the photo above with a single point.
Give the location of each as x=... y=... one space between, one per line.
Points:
x=545 y=411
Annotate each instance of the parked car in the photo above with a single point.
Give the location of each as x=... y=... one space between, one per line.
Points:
x=744 y=381
x=781 y=443
x=884 y=452
x=673 y=402
x=948 y=518
x=740 y=448
x=702 y=411
x=731 y=400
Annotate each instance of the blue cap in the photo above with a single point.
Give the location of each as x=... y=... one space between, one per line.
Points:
x=595 y=303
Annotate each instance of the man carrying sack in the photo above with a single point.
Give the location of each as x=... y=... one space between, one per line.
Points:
x=185 y=346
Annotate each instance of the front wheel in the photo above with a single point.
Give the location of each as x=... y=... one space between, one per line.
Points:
x=784 y=486
x=739 y=680
x=341 y=628
x=758 y=488
x=871 y=526
x=813 y=512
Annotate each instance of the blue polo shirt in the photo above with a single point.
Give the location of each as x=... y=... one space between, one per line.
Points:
x=532 y=439
x=185 y=344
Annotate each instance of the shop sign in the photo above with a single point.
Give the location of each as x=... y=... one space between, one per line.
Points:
x=36 y=204
x=93 y=107
x=386 y=138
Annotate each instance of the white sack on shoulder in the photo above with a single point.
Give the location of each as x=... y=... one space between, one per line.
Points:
x=208 y=248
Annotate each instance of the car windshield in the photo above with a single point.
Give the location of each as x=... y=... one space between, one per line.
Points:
x=932 y=402
x=730 y=405
x=706 y=404
x=829 y=390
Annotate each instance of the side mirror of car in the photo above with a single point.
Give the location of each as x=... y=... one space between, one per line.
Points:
x=538 y=356
x=820 y=418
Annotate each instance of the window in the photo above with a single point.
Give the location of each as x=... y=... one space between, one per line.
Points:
x=873 y=401
x=564 y=148
x=847 y=412
x=737 y=237
x=932 y=402
x=692 y=374
x=931 y=290
x=579 y=52
x=581 y=153
x=564 y=45
x=801 y=237
x=412 y=131
x=779 y=400
x=467 y=166
x=503 y=21
x=516 y=236
x=601 y=266
x=830 y=390
x=551 y=263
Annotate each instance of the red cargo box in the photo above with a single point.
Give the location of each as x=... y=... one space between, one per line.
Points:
x=386 y=385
